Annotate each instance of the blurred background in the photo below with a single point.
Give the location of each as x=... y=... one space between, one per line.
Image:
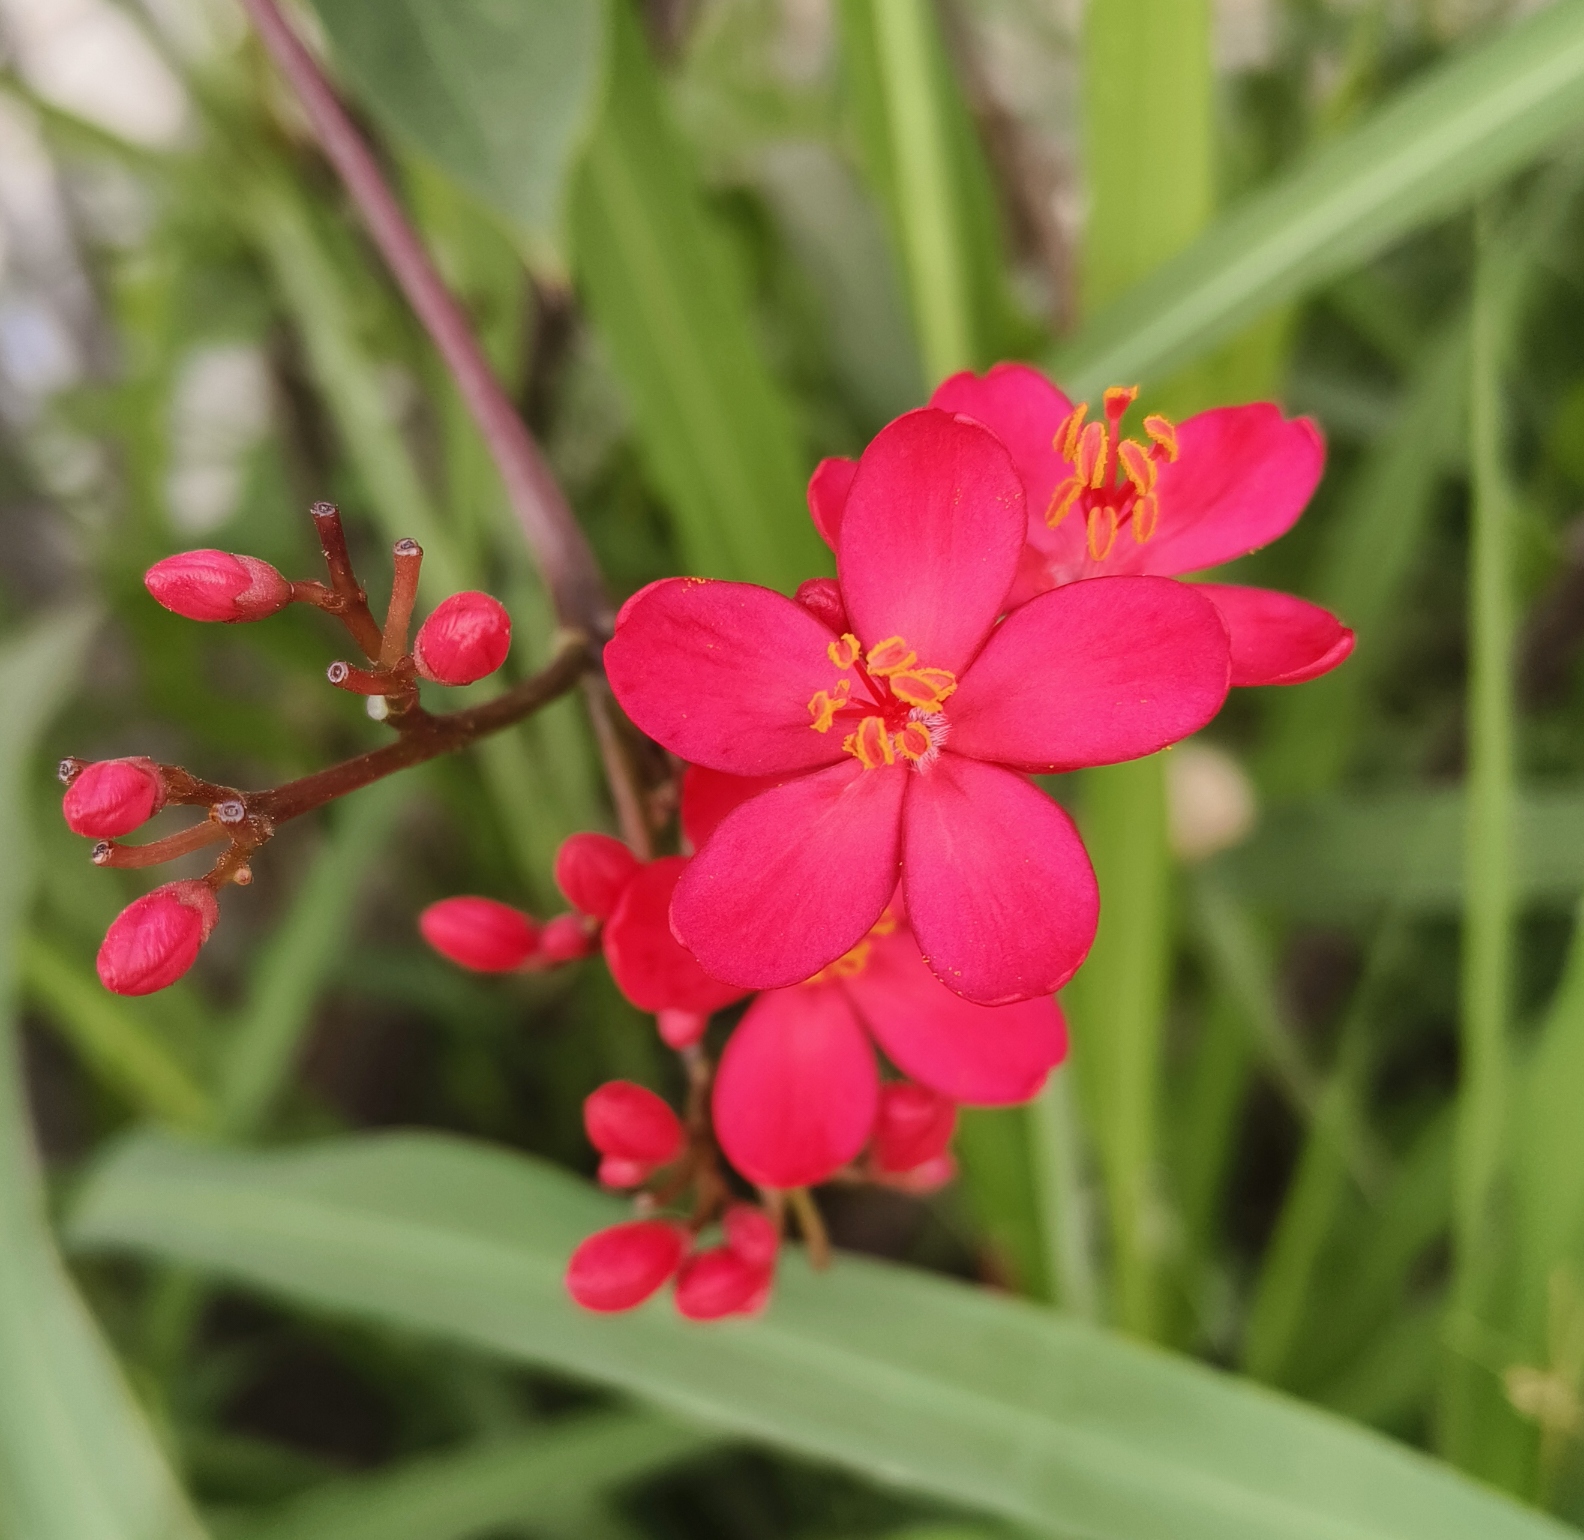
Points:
x=1322 y=1122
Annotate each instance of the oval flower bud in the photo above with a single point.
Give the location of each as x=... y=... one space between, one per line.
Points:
x=479 y=933
x=156 y=938
x=751 y=1235
x=621 y=1267
x=466 y=637
x=215 y=585
x=593 y=871
x=632 y=1123
x=718 y=1282
x=913 y=1125
x=566 y=938
x=113 y=797
x=681 y=1029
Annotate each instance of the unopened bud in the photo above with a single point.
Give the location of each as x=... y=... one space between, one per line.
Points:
x=215 y=585
x=751 y=1235
x=823 y=597
x=466 y=637
x=156 y=938
x=913 y=1125
x=113 y=797
x=681 y=1029
x=718 y=1282
x=620 y=1175
x=930 y=1177
x=479 y=933
x=632 y=1123
x=566 y=938
x=621 y=1267
x=593 y=871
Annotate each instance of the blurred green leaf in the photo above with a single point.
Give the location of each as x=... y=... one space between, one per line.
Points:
x=77 y=1460
x=955 y=1392
x=1470 y=122
x=503 y=95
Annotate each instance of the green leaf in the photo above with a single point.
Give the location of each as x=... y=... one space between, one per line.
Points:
x=77 y=1460
x=500 y=92
x=1470 y=122
x=954 y=1392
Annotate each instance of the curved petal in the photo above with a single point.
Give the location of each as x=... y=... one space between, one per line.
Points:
x=931 y=536
x=793 y=878
x=1000 y=892
x=797 y=1088
x=1093 y=673
x=1023 y=409
x=722 y=674
x=1242 y=476
x=978 y=1055
x=709 y=795
x=651 y=967
x=1277 y=638
x=827 y=495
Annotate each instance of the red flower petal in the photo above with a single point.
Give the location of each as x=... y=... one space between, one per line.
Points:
x=709 y=795
x=913 y=1125
x=479 y=933
x=827 y=495
x=618 y=1268
x=1093 y=673
x=1277 y=638
x=931 y=537
x=978 y=1055
x=716 y=1283
x=794 y=877
x=723 y=673
x=796 y=1091
x=650 y=966
x=1000 y=892
x=630 y=1122
x=592 y=870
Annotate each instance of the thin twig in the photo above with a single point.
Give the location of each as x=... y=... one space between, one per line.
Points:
x=408 y=560
x=350 y=602
x=157 y=852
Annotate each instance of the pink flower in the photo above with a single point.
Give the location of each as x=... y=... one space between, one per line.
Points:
x=112 y=797
x=897 y=743
x=798 y=1094
x=1182 y=498
x=157 y=938
x=466 y=637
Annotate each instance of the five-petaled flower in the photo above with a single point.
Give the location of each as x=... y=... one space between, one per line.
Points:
x=898 y=720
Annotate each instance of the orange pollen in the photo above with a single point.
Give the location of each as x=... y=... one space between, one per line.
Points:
x=891 y=656
x=885 y=925
x=826 y=704
x=871 y=744
x=1090 y=465
x=844 y=653
x=1146 y=515
x=1101 y=532
x=1066 y=441
x=1062 y=500
x=924 y=687
x=1137 y=466
x=1162 y=432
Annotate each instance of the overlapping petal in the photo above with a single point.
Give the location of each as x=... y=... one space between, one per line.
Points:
x=1000 y=892
x=794 y=877
x=709 y=795
x=827 y=495
x=797 y=1088
x=930 y=537
x=722 y=674
x=1093 y=673
x=1278 y=638
x=977 y=1055
x=650 y=966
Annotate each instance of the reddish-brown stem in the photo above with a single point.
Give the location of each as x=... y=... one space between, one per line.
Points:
x=156 y=852
x=360 y=681
x=812 y=1226
x=559 y=547
x=618 y=771
x=347 y=599
x=408 y=558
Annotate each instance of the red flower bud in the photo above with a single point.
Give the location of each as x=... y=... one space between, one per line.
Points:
x=466 y=637
x=632 y=1123
x=922 y=1180
x=619 y=1174
x=215 y=585
x=912 y=1125
x=618 y=1268
x=823 y=597
x=156 y=938
x=593 y=871
x=479 y=933
x=681 y=1029
x=718 y=1282
x=113 y=797
x=751 y=1235
x=566 y=938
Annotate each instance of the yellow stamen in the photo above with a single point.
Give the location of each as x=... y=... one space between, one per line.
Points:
x=1118 y=399
x=1102 y=532
x=1163 y=433
x=924 y=687
x=825 y=705
x=871 y=744
x=891 y=656
x=1062 y=500
x=844 y=653
x=1066 y=441
x=1137 y=465
x=913 y=742
x=1091 y=463
x=1146 y=515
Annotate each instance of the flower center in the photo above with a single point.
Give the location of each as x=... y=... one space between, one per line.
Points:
x=1113 y=479
x=851 y=963
x=890 y=701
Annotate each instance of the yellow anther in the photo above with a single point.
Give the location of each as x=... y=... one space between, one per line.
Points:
x=849 y=965
x=1102 y=532
x=924 y=687
x=891 y=656
x=1066 y=441
x=844 y=653
x=1163 y=433
x=1062 y=500
x=913 y=742
x=1091 y=463
x=1146 y=515
x=885 y=924
x=826 y=704
x=871 y=744
x=1118 y=399
x=1137 y=465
